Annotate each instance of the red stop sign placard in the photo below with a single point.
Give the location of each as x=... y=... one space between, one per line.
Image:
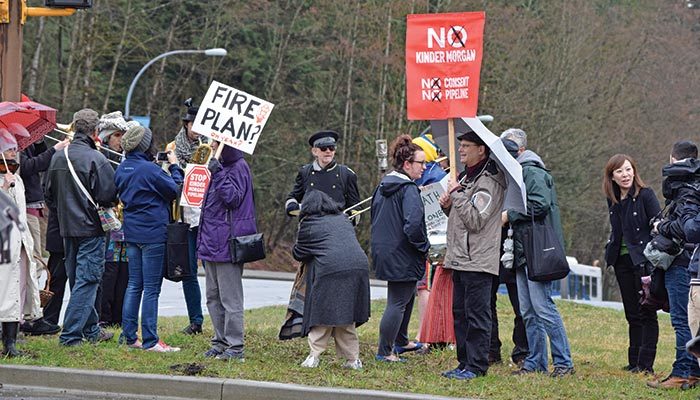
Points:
x=195 y=185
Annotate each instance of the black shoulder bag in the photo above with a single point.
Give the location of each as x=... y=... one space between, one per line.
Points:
x=546 y=260
x=177 y=251
x=245 y=249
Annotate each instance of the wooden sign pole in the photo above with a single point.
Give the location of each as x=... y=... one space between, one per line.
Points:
x=452 y=149
x=219 y=149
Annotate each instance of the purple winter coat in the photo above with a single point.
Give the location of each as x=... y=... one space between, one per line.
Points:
x=228 y=208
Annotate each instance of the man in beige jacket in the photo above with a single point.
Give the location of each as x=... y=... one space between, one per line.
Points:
x=473 y=204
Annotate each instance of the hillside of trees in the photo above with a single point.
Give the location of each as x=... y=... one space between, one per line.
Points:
x=584 y=78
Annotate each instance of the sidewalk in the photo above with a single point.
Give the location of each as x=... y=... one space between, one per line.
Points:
x=73 y=383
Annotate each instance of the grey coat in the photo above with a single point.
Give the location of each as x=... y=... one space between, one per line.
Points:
x=337 y=285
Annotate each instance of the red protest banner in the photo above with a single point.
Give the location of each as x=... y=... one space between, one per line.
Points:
x=195 y=185
x=443 y=62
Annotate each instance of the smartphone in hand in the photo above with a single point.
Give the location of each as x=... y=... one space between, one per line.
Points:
x=162 y=156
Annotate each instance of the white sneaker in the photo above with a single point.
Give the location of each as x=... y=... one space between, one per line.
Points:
x=136 y=345
x=161 y=347
x=310 y=362
x=355 y=364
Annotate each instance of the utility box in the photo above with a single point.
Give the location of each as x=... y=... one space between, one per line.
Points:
x=68 y=3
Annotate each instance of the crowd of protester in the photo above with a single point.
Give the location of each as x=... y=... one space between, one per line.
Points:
x=109 y=168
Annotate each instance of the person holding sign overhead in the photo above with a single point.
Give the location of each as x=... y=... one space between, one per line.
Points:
x=324 y=174
x=228 y=211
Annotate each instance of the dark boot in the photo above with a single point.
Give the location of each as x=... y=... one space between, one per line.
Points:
x=9 y=339
x=192 y=329
x=646 y=360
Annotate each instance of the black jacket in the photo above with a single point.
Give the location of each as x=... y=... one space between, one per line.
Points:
x=629 y=220
x=54 y=241
x=337 y=288
x=336 y=180
x=33 y=160
x=681 y=188
x=111 y=156
x=399 y=237
x=77 y=217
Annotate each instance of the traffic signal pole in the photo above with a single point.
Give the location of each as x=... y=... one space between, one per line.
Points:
x=12 y=16
x=10 y=50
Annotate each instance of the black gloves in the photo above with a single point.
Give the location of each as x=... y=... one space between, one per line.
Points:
x=214 y=166
x=292 y=208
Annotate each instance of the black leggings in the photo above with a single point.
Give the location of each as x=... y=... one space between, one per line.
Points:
x=393 y=329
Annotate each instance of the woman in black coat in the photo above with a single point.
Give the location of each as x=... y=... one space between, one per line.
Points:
x=632 y=205
x=399 y=245
x=337 y=279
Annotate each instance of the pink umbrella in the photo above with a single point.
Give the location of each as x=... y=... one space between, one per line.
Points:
x=27 y=120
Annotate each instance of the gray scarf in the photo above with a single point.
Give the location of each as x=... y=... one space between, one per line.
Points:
x=184 y=147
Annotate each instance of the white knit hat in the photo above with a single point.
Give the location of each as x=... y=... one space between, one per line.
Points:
x=110 y=123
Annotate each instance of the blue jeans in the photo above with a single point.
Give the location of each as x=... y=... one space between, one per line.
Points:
x=190 y=286
x=85 y=264
x=542 y=319
x=678 y=288
x=145 y=277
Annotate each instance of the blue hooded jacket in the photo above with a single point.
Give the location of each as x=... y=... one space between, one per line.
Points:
x=399 y=236
x=146 y=191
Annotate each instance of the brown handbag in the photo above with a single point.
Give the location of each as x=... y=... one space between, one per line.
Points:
x=45 y=295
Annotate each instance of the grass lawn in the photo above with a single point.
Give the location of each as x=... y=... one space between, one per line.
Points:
x=598 y=340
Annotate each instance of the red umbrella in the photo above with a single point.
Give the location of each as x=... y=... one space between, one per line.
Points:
x=27 y=120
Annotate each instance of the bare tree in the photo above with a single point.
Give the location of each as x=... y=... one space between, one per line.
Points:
x=34 y=68
x=117 y=56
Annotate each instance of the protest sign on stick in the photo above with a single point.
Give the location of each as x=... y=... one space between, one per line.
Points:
x=232 y=117
x=194 y=185
x=443 y=63
x=435 y=218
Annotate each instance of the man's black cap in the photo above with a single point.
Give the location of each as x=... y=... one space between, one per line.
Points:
x=323 y=138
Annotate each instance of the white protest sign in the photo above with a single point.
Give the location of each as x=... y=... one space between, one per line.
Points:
x=435 y=218
x=232 y=117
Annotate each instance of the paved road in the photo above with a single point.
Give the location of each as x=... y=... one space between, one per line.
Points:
x=257 y=293
x=261 y=293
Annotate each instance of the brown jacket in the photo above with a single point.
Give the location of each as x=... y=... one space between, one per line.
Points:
x=474 y=223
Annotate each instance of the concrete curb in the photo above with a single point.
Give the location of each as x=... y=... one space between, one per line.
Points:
x=139 y=385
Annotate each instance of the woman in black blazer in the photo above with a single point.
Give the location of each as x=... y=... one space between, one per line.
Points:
x=631 y=205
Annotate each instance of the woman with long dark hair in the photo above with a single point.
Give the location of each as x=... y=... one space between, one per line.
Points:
x=399 y=245
x=631 y=205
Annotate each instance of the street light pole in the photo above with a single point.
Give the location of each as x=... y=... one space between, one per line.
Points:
x=208 y=53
